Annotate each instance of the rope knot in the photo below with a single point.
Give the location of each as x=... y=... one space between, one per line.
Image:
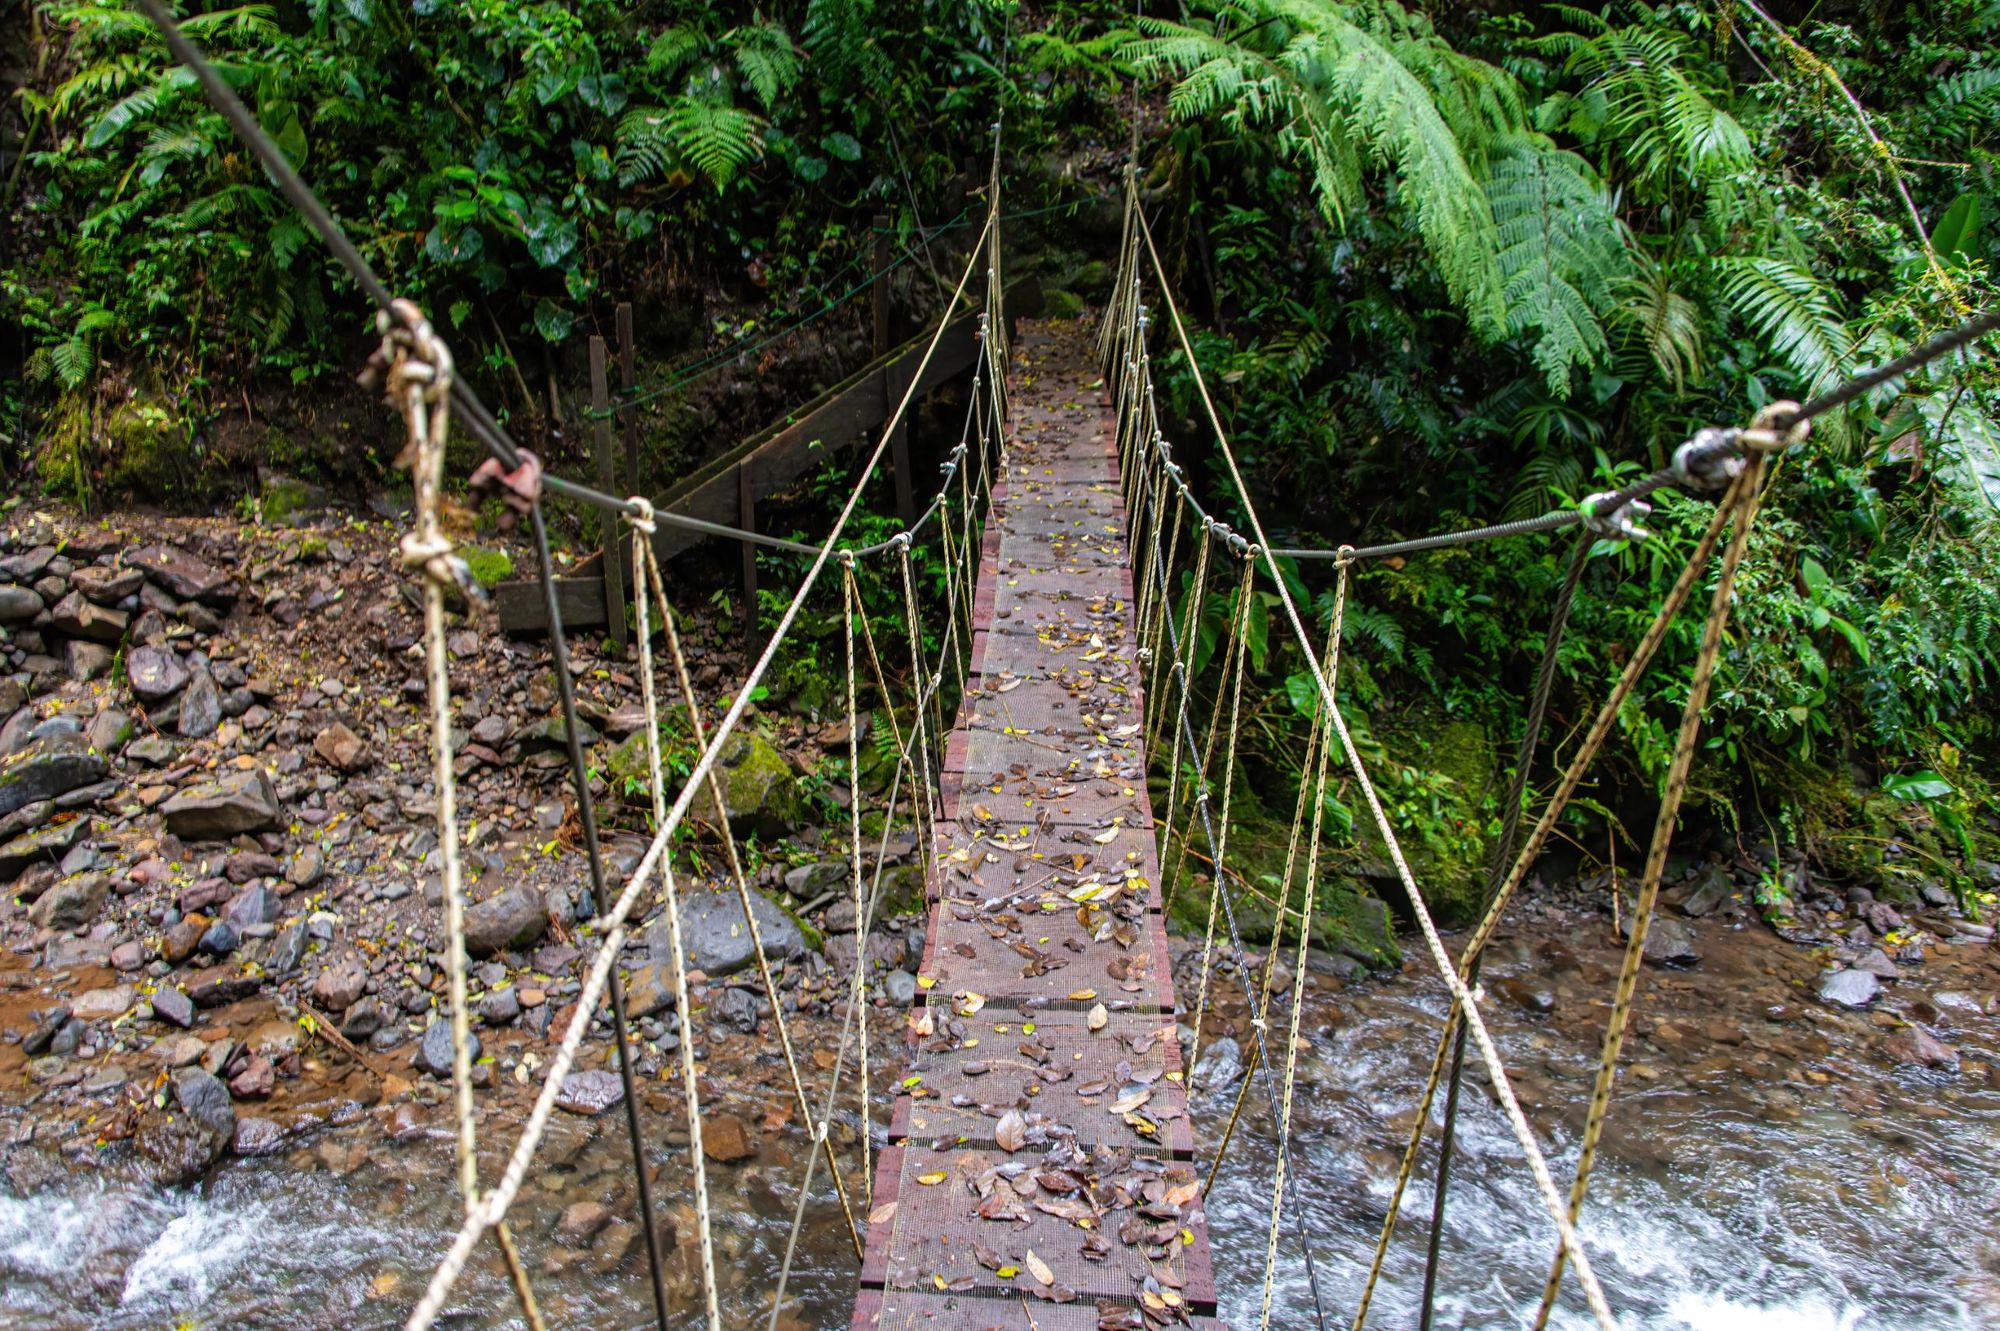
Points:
x=1617 y=524
x=1709 y=461
x=1343 y=556
x=1776 y=427
x=433 y=556
x=846 y=558
x=900 y=542
x=640 y=514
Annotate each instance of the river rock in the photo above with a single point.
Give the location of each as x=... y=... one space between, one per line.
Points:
x=201 y=706
x=590 y=1092
x=104 y=1004
x=86 y=660
x=900 y=988
x=1916 y=1046
x=1877 y=963
x=257 y=1136
x=45 y=845
x=580 y=1223
x=106 y=586
x=341 y=749
x=18 y=605
x=203 y=1098
x=1221 y=1064
x=256 y=905
x=172 y=1006
x=435 y=1051
x=759 y=789
x=809 y=881
x=155 y=673
x=110 y=730
x=219 y=986
x=717 y=936
x=228 y=806
x=737 y=1009
x=500 y=1006
x=72 y=903
x=81 y=618
x=181 y=573
x=514 y=918
x=340 y=985
x=306 y=867
x=53 y=764
x=1849 y=988
x=1668 y=941
x=725 y=1139
x=1529 y=995
x=221 y=939
x=364 y=1019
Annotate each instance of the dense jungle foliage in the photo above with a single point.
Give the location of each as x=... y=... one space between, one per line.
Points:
x=1450 y=264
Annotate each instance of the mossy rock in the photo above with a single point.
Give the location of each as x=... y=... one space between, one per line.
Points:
x=1446 y=854
x=760 y=792
x=1091 y=279
x=144 y=449
x=489 y=568
x=283 y=500
x=902 y=891
x=1347 y=919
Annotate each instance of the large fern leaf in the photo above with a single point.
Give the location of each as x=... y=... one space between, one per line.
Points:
x=1794 y=313
x=1561 y=254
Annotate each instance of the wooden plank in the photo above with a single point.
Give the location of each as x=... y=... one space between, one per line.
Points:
x=519 y=607
x=628 y=380
x=608 y=532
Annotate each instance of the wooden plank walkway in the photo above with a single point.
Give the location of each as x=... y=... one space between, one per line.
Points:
x=1048 y=1022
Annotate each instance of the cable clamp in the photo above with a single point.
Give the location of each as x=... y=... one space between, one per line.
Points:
x=846 y=558
x=639 y=513
x=900 y=541
x=1620 y=523
x=1708 y=461
x=1144 y=656
x=1240 y=544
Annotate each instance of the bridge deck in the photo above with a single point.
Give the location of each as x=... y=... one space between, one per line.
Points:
x=1041 y=1172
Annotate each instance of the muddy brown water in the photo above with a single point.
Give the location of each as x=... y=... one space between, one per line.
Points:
x=1771 y=1166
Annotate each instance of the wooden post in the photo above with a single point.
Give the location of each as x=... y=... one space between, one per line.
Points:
x=628 y=379
x=746 y=518
x=880 y=292
x=607 y=523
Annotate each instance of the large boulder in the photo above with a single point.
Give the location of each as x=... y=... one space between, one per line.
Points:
x=83 y=618
x=53 y=764
x=512 y=919
x=18 y=605
x=185 y=576
x=760 y=792
x=717 y=937
x=228 y=806
x=45 y=845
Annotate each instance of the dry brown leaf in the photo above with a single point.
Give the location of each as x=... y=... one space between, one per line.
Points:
x=1038 y=1268
x=1097 y=1018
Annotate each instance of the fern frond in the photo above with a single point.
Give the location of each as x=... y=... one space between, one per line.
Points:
x=767 y=61
x=1561 y=251
x=1794 y=313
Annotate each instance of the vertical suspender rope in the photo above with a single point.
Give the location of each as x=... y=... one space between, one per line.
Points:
x=420 y=377
x=1498 y=862
x=594 y=856
x=858 y=998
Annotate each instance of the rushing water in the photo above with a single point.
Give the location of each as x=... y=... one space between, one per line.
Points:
x=1759 y=1175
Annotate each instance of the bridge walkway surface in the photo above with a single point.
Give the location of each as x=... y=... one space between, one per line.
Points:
x=1040 y=1174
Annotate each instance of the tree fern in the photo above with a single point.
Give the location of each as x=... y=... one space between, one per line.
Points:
x=1666 y=323
x=1562 y=252
x=1795 y=315
x=766 y=59
x=1341 y=99
x=713 y=139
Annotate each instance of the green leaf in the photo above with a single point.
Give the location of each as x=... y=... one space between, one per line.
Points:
x=1958 y=229
x=552 y=321
x=1815 y=577
x=1917 y=786
x=844 y=146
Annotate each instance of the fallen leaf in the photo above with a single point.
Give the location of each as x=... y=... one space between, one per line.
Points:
x=1082 y=995
x=1038 y=1268
x=1097 y=1018
x=932 y=1179
x=1011 y=1132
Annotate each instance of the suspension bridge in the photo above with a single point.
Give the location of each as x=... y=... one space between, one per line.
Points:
x=1038 y=1166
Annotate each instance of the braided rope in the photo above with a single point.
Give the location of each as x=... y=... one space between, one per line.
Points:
x=646 y=589
x=858 y=996
x=1746 y=496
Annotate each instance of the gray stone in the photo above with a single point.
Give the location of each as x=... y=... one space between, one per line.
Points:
x=1876 y=962
x=738 y=1009
x=364 y=1019
x=201 y=706
x=44 y=1033
x=436 y=1048
x=288 y=950
x=759 y=789
x=171 y=1005
x=184 y=575
x=71 y=903
x=514 y=918
x=306 y=867
x=1668 y=941
x=717 y=937
x=1917 y=1046
x=228 y=806
x=48 y=767
x=1221 y=1064
x=44 y=845
x=900 y=988
x=340 y=985
x=155 y=673
x=500 y=1006
x=109 y=731
x=590 y=1092
x=257 y=1136
x=257 y=905
x=221 y=939
x=106 y=586
x=550 y=731
x=87 y=660
x=80 y=618
x=1849 y=988
x=18 y=605
x=152 y=750
x=810 y=880
x=203 y=1098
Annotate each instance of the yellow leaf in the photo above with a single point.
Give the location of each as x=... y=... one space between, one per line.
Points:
x=932 y=1179
x=1008 y=1272
x=1083 y=996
